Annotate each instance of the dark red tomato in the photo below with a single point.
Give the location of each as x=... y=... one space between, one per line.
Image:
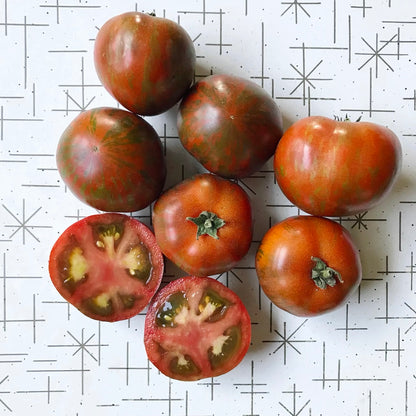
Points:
x=308 y=265
x=204 y=224
x=230 y=125
x=336 y=168
x=112 y=160
x=147 y=63
x=107 y=265
x=196 y=328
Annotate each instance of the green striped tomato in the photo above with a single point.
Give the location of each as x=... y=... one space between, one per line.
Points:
x=147 y=63
x=337 y=168
x=112 y=160
x=230 y=125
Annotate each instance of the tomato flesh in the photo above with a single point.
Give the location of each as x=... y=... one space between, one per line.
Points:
x=107 y=265
x=196 y=328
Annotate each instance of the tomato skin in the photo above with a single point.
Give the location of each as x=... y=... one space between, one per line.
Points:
x=284 y=264
x=147 y=63
x=106 y=270
x=336 y=168
x=177 y=235
x=112 y=160
x=230 y=125
x=193 y=336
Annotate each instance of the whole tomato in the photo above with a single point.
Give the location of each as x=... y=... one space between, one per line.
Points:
x=146 y=62
x=336 y=168
x=308 y=265
x=112 y=160
x=230 y=125
x=204 y=224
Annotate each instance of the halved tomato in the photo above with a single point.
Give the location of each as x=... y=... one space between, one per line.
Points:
x=196 y=328
x=107 y=265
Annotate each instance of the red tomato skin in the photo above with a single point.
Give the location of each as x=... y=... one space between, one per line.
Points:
x=192 y=339
x=146 y=62
x=112 y=160
x=337 y=168
x=284 y=264
x=109 y=276
x=176 y=235
x=230 y=125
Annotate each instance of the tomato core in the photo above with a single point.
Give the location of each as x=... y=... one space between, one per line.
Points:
x=207 y=223
x=323 y=275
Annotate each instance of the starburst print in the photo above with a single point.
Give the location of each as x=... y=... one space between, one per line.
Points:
x=298 y=6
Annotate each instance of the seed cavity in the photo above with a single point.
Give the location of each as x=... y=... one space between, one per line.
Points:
x=137 y=262
x=78 y=266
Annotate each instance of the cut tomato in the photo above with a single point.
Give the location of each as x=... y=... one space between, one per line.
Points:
x=107 y=265
x=196 y=328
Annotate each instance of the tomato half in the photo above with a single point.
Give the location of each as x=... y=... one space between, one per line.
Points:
x=336 y=168
x=308 y=265
x=112 y=160
x=146 y=62
x=107 y=265
x=196 y=328
x=204 y=224
x=230 y=125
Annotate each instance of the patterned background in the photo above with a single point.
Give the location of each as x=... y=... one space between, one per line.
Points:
x=327 y=57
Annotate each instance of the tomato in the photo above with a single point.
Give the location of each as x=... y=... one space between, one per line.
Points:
x=204 y=224
x=146 y=62
x=196 y=328
x=308 y=265
x=336 y=168
x=230 y=125
x=112 y=160
x=107 y=265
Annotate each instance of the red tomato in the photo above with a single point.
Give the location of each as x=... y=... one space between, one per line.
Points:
x=308 y=265
x=196 y=328
x=230 y=125
x=336 y=168
x=112 y=160
x=204 y=224
x=147 y=63
x=107 y=265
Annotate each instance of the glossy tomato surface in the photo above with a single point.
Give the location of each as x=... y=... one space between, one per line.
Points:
x=204 y=224
x=336 y=168
x=308 y=265
x=107 y=265
x=146 y=62
x=230 y=125
x=112 y=160
x=196 y=328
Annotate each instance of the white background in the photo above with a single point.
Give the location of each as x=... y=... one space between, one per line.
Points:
x=328 y=57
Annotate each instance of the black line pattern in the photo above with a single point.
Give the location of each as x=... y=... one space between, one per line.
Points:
x=326 y=57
